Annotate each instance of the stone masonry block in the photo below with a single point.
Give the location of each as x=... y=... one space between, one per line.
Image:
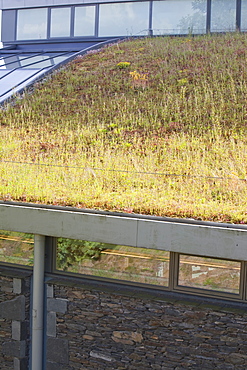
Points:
x=15 y=348
x=57 y=305
x=13 y=309
x=20 y=364
x=51 y=324
x=52 y=366
x=19 y=331
x=17 y=286
x=101 y=356
x=49 y=291
x=55 y=366
x=57 y=350
x=8 y=288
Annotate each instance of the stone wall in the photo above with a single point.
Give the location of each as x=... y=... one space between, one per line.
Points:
x=14 y=319
x=96 y=327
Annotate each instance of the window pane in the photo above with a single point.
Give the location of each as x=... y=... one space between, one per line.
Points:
x=179 y=17
x=12 y=62
x=209 y=273
x=223 y=16
x=60 y=22
x=32 y=24
x=16 y=248
x=124 y=19
x=61 y=58
x=40 y=61
x=244 y=15
x=113 y=261
x=84 y=21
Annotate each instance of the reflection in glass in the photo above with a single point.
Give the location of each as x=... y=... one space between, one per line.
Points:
x=61 y=58
x=32 y=24
x=32 y=60
x=223 y=16
x=113 y=261
x=2 y=64
x=60 y=22
x=16 y=248
x=209 y=273
x=244 y=15
x=179 y=17
x=39 y=61
x=84 y=21
x=124 y=19
x=11 y=62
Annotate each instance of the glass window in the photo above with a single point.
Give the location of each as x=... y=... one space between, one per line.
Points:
x=60 y=22
x=124 y=19
x=16 y=248
x=84 y=21
x=179 y=17
x=223 y=16
x=209 y=273
x=32 y=24
x=113 y=261
x=244 y=15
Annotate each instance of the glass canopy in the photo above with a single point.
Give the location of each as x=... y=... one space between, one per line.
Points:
x=18 y=69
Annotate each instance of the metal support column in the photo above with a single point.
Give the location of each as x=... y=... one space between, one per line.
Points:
x=38 y=303
x=208 y=17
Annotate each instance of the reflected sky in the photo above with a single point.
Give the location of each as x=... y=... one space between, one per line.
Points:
x=178 y=17
x=60 y=22
x=18 y=69
x=31 y=60
x=32 y=23
x=123 y=19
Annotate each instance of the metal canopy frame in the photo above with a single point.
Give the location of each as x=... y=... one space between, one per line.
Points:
x=16 y=77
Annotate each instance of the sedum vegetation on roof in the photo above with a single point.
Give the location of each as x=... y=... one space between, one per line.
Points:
x=154 y=125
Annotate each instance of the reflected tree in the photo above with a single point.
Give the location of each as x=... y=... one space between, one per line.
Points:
x=71 y=251
x=195 y=22
x=223 y=17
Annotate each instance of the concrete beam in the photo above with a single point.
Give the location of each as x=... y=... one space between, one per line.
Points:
x=203 y=240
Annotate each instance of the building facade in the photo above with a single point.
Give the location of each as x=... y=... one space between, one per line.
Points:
x=25 y=20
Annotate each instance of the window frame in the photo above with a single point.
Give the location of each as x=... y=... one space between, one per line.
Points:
x=14 y=264
x=71 y=22
x=96 y=20
x=72 y=7
x=208 y=292
x=17 y=21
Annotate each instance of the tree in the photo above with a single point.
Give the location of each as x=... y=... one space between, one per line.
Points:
x=223 y=17
x=72 y=251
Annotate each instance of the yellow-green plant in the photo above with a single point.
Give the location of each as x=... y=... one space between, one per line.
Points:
x=139 y=79
x=123 y=65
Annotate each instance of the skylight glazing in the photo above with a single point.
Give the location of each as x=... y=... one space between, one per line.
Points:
x=19 y=69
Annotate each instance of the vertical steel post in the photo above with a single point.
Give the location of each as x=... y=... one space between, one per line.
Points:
x=150 y=20
x=38 y=303
x=238 y=15
x=96 y=29
x=208 y=17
